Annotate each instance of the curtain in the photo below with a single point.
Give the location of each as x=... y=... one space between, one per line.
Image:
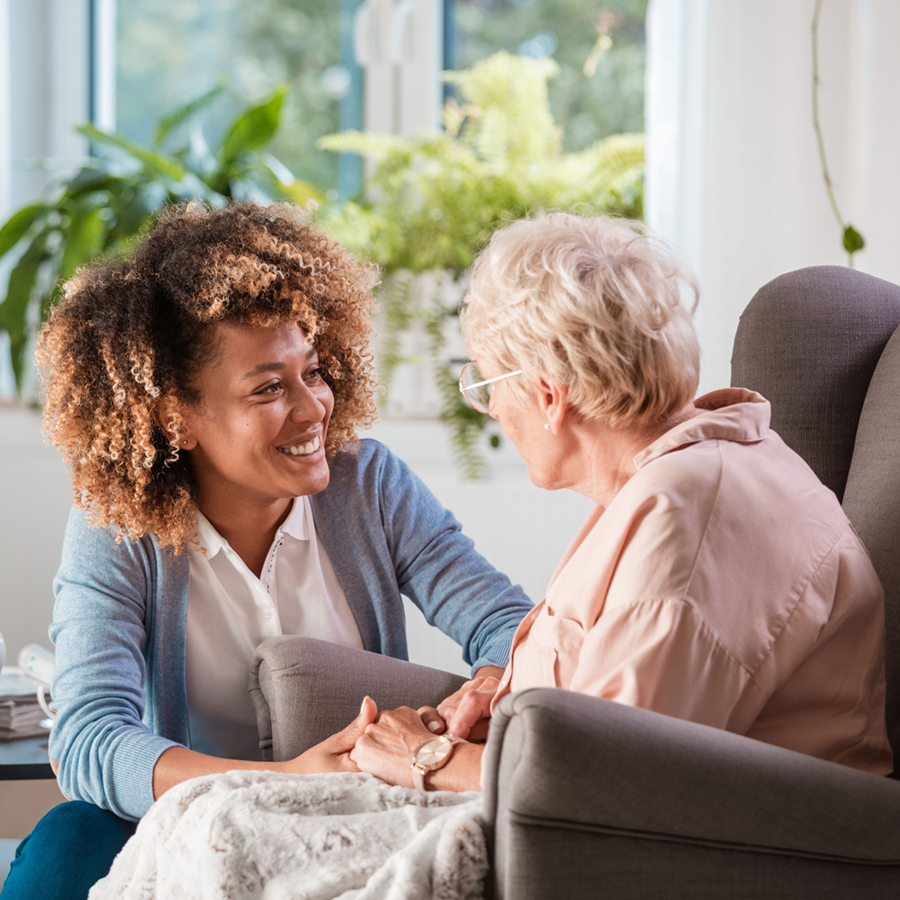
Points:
x=734 y=179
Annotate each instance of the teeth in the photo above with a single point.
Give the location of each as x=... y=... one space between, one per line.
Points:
x=302 y=449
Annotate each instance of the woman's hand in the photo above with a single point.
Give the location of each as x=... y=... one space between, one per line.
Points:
x=333 y=754
x=386 y=751
x=467 y=712
x=386 y=747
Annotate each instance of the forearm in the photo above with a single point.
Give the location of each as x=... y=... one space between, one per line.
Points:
x=461 y=773
x=178 y=764
x=439 y=569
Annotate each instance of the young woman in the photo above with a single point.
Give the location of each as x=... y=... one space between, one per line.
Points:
x=206 y=393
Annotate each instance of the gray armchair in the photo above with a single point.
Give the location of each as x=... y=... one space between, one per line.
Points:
x=591 y=798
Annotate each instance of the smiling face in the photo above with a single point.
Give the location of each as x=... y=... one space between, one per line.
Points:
x=257 y=437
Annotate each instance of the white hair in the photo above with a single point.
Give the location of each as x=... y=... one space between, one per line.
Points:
x=593 y=304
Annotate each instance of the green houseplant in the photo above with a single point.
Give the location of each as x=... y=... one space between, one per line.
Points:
x=431 y=201
x=104 y=206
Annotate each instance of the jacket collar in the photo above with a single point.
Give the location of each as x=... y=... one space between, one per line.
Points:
x=731 y=414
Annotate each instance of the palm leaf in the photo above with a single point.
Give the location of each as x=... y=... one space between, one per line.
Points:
x=153 y=162
x=14 y=309
x=170 y=122
x=253 y=129
x=83 y=239
x=17 y=226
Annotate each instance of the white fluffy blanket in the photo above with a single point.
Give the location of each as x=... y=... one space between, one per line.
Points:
x=302 y=837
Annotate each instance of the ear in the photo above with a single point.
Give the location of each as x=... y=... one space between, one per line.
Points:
x=553 y=402
x=163 y=415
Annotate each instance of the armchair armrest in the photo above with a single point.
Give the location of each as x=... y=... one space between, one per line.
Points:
x=584 y=793
x=304 y=690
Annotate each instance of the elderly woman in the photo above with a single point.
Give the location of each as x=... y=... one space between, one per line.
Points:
x=716 y=580
x=206 y=393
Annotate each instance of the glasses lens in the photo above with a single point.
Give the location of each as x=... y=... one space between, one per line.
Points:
x=479 y=397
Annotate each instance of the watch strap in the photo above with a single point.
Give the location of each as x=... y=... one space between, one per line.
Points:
x=418 y=774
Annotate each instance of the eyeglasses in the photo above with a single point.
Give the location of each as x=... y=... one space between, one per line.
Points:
x=477 y=389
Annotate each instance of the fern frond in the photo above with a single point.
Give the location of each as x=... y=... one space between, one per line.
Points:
x=464 y=423
x=395 y=295
x=363 y=143
x=465 y=439
x=510 y=122
x=608 y=164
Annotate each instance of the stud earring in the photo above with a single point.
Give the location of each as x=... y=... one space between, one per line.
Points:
x=547 y=426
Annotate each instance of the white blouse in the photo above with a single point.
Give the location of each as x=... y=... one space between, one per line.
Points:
x=231 y=611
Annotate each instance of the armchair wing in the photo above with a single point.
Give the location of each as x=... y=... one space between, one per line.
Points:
x=589 y=797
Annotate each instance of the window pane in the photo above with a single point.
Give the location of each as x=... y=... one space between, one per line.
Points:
x=600 y=49
x=170 y=51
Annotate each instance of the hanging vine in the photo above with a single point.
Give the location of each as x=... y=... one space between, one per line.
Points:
x=852 y=239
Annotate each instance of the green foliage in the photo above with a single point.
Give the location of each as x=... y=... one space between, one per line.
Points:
x=853 y=241
x=432 y=201
x=167 y=50
x=598 y=46
x=102 y=209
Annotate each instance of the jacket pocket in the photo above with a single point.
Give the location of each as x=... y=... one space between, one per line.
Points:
x=558 y=641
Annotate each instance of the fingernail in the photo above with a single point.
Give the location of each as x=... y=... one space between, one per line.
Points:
x=433 y=726
x=362 y=706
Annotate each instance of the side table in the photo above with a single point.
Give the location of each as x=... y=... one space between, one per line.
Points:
x=22 y=760
x=25 y=759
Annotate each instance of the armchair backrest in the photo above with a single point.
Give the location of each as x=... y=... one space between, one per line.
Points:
x=817 y=343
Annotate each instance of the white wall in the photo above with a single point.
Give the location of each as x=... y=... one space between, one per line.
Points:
x=733 y=172
x=35 y=498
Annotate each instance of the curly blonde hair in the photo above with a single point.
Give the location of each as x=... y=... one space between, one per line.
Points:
x=594 y=303
x=131 y=332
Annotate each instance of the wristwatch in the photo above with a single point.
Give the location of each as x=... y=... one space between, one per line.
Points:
x=431 y=754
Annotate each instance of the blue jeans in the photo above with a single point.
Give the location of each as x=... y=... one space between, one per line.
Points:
x=68 y=852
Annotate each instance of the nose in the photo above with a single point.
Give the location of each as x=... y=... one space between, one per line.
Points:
x=305 y=405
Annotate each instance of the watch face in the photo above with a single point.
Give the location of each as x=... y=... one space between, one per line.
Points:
x=432 y=752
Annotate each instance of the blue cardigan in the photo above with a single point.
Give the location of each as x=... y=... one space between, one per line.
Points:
x=121 y=611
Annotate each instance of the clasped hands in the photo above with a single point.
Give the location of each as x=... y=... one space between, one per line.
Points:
x=383 y=744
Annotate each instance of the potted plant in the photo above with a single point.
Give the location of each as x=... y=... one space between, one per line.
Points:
x=102 y=208
x=431 y=201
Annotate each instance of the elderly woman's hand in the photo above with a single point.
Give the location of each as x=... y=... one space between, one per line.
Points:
x=386 y=748
x=465 y=713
